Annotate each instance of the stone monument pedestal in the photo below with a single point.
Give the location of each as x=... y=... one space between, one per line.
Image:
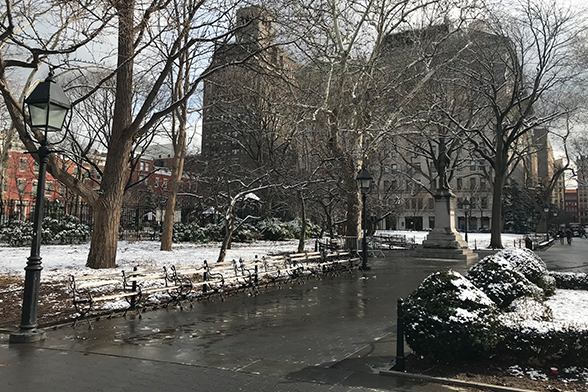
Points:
x=444 y=241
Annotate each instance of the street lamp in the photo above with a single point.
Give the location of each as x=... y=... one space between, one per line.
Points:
x=466 y=209
x=364 y=182
x=48 y=106
x=546 y=210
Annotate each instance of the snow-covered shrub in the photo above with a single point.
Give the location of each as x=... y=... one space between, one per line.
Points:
x=275 y=230
x=188 y=233
x=447 y=317
x=214 y=231
x=18 y=233
x=540 y=345
x=312 y=230
x=65 y=230
x=526 y=308
x=529 y=264
x=246 y=233
x=570 y=280
x=501 y=280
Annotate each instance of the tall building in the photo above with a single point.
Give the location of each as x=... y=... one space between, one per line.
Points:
x=571 y=205
x=407 y=176
x=240 y=116
x=582 y=179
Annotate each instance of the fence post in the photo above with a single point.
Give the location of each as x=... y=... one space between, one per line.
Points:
x=399 y=366
x=205 y=277
x=134 y=289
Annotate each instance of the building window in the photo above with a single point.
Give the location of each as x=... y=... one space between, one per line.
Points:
x=484 y=202
x=156 y=182
x=48 y=188
x=459 y=184
x=472 y=183
x=36 y=167
x=164 y=186
x=21 y=184
x=22 y=165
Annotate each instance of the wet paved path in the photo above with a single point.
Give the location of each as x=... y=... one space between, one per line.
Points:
x=567 y=258
x=332 y=334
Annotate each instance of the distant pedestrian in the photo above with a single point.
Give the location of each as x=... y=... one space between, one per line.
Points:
x=569 y=236
x=561 y=235
x=583 y=232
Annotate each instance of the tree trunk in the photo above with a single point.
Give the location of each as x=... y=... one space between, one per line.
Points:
x=230 y=223
x=104 y=235
x=302 y=239
x=175 y=180
x=353 y=224
x=108 y=207
x=496 y=228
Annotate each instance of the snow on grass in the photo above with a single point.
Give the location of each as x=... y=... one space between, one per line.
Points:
x=60 y=261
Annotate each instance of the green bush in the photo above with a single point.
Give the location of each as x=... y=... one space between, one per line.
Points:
x=273 y=229
x=268 y=229
x=529 y=264
x=447 y=317
x=545 y=346
x=501 y=282
x=312 y=230
x=65 y=230
x=189 y=233
x=246 y=233
x=570 y=280
x=18 y=233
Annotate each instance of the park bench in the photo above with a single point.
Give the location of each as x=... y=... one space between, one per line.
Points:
x=337 y=260
x=327 y=245
x=132 y=286
x=393 y=241
x=140 y=288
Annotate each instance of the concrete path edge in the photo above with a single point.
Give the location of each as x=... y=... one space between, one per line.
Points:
x=452 y=381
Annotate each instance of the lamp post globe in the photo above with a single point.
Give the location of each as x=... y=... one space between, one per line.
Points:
x=364 y=183
x=47 y=106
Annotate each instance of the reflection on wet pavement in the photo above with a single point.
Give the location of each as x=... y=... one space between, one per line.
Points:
x=326 y=330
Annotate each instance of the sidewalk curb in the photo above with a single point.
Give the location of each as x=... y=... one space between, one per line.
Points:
x=452 y=381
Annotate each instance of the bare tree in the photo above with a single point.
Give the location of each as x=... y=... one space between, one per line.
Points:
x=356 y=84
x=511 y=67
x=132 y=116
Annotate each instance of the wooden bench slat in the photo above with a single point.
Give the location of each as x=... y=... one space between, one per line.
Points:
x=96 y=283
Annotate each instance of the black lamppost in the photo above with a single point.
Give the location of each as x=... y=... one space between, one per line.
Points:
x=364 y=182
x=546 y=210
x=466 y=209
x=47 y=106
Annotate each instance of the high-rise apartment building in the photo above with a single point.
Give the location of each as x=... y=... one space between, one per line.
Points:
x=239 y=116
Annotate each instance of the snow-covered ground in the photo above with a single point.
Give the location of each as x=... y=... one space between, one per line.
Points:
x=60 y=261
x=475 y=240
